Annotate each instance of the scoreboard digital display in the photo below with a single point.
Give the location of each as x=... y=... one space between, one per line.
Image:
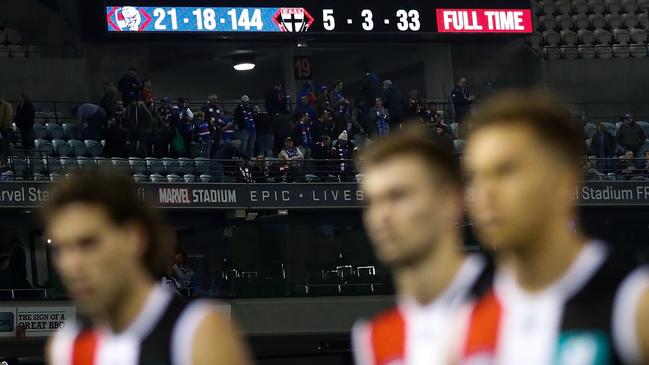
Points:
x=331 y=17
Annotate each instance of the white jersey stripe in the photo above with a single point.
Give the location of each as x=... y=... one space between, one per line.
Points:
x=625 y=309
x=362 y=343
x=182 y=338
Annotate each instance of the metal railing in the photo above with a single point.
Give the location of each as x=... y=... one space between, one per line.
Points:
x=616 y=169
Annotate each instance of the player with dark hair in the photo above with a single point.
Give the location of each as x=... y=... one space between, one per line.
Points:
x=108 y=248
x=413 y=192
x=558 y=297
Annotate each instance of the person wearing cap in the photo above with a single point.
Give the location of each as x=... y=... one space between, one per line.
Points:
x=323 y=102
x=245 y=121
x=344 y=150
x=303 y=135
x=630 y=135
x=393 y=100
x=214 y=116
x=289 y=167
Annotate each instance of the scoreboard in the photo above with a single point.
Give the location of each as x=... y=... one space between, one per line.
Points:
x=320 y=17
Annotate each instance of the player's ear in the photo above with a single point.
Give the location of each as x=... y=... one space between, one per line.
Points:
x=138 y=238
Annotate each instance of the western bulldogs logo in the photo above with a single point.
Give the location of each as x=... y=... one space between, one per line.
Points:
x=293 y=20
x=128 y=19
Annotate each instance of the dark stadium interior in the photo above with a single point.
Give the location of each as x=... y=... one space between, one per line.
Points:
x=280 y=237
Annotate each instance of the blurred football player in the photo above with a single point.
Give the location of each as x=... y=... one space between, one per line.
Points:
x=108 y=248
x=558 y=296
x=413 y=192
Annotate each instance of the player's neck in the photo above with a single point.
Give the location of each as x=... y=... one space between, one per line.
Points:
x=130 y=304
x=427 y=278
x=545 y=260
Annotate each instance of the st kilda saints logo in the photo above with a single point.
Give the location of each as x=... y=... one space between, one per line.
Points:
x=293 y=20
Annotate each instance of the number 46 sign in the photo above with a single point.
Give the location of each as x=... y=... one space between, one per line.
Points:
x=302 y=67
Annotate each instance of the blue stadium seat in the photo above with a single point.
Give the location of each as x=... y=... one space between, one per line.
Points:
x=645 y=127
x=189 y=178
x=61 y=147
x=78 y=148
x=53 y=164
x=54 y=130
x=69 y=165
x=56 y=176
x=590 y=129
x=7 y=176
x=121 y=165
x=186 y=165
x=43 y=146
x=103 y=163
x=93 y=147
x=40 y=131
x=71 y=131
x=139 y=178
x=36 y=165
x=205 y=178
x=138 y=165
x=86 y=163
x=157 y=178
x=610 y=127
x=171 y=165
x=154 y=165
x=202 y=165
x=18 y=166
x=40 y=177
x=173 y=178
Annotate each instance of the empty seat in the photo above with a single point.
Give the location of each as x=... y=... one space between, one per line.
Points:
x=71 y=131
x=596 y=6
x=138 y=165
x=546 y=7
x=569 y=52
x=614 y=20
x=139 y=178
x=586 y=52
x=568 y=37
x=40 y=131
x=43 y=146
x=94 y=148
x=186 y=165
x=586 y=37
x=154 y=165
x=580 y=21
x=604 y=51
x=629 y=20
x=172 y=166
x=562 y=6
x=610 y=127
x=53 y=164
x=18 y=166
x=644 y=126
x=173 y=178
x=552 y=52
x=54 y=130
x=564 y=21
x=603 y=37
x=551 y=37
x=61 y=147
x=189 y=178
x=104 y=163
x=629 y=6
x=643 y=20
x=579 y=6
x=121 y=165
x=205 y=178
x=157 y=178
x=621 y=51
x=548 y=22
x=597 y=21
x=36 y=165
x=78 y=147
x=86 y=163
x=638 y=50
x=613 y=6
x=536 y=39
x=638 y=36
x=54 y=176
x=40 y=177
x=622 y=36
x=589 y=130
x=69 y=165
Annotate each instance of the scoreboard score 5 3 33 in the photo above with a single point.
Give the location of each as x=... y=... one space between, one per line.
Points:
x=331 y=17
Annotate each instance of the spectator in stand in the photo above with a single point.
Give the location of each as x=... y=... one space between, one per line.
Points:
x=228 y=127
x=379 y=118
x=303 y=106
x=260 y=170
x=359 y=115
x=203 y=134
x=94 y=118
x=443 y=139
x=214 y=116
x=628 y=166
x=324 y=125
x=115 y=136
x=602 y=147
x=181 y=272
x=341 y=107
x=245 y=119
x=153 y=137
x=290 y=152
x=110 y=98
x=344 y=151
x=393 y=101
x=307 y=90
x=322 y=100
x=276 y=102
x=645 y=164
x=183 y=119
x=370 y=90
x=590 y=172
x=230 y=150
x=147 y=92
x=244 y=175
x=25 y=115
x=129 y=85
x=138 y=120
x=303 y=136
x=6 y=118
x=289 y=167
x=414 y=107
x=630 y=135
x=462 y=99
x=165 y=114
x=323 y=152
x=265 y=137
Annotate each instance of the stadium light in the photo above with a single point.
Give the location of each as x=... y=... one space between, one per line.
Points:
x=244 y=62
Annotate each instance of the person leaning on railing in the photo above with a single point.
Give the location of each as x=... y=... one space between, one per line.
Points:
x=6 y=117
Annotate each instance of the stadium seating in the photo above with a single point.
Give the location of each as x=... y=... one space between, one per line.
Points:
x=93 y=147
x=138 y=165
x=154 y=165
x=78 y=148
x=54 y=131
x=71 y=131
x=61 y=147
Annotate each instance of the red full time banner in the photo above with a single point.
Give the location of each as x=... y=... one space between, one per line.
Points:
x=484 y=21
